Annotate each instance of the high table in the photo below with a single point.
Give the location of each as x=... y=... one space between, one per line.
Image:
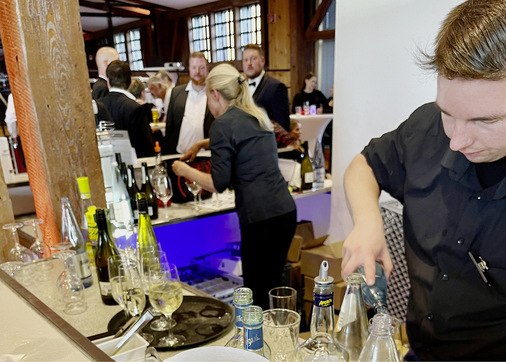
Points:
x=313 y=126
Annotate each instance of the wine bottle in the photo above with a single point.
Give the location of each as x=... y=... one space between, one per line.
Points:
x=133 y=190
x=122 y=167
x=146 y=236
x=88 y=224
x=319 y=165
x=122 y=218
x=322 y=346
x=105 y=249
x=150 y=194
x=71 y=231
x=306 y=170
x=380 y=345
x=253 y=320
x=351 y=329
x=243 y=298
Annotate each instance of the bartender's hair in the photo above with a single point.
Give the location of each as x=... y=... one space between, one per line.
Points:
x=234 y=88
x=119 y=74
x=471 y=43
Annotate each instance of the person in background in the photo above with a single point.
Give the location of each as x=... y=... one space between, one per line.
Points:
x=447 y=165
x=126 y=112
x=309 y=94
x=160 y=89
x=166 y=78
x=103 y=58
x=244 y=156
x=188 y=118
x=138 y=89
x=267 y=92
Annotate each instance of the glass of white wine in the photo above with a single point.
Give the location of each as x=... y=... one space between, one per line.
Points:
x=166 y=296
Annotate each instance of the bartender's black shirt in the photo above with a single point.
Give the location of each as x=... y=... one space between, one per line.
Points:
x=452 y=313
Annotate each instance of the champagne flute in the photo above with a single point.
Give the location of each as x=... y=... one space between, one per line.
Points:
x=194 y=188
x=116 y=280
x=131 y=287
x=163 y=187
x=18 y=252
x=38 y=245
x=166 y=296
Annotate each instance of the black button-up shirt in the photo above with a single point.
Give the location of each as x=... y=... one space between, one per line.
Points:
x=452 y=312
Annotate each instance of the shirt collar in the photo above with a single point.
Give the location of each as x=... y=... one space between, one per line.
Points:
x=189 y=88
x=257 y=79
x=123 y=91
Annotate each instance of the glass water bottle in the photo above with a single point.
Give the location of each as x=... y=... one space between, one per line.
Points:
x=243 y=298
x=376 y=295
x=380 y=345
x=322 y=346
x=351 y=329
x=253 y=320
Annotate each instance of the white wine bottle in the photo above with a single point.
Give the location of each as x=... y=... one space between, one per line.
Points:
x=150 y=193
x=146 y=236
x=306 y=170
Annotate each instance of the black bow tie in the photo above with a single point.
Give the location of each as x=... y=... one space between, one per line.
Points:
x=252 y=84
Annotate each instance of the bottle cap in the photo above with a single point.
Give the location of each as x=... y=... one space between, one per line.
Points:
x=323 y=277
x=84 y=185
x=157 y=147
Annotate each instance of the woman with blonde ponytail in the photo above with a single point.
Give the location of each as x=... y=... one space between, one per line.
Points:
x=244 y=157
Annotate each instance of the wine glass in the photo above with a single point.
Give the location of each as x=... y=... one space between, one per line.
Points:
x=38 y=245
x=194 y=188
x=162 y=186
x=116 y=280
x=18 y=252
x=166 y=296
x=131 y=287
x=70 y=286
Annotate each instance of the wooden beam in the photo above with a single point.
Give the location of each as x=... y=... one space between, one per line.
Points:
x=317 y=35
x=46 y=64
x=318 y=17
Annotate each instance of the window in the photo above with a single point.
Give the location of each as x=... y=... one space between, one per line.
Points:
x=199 y=35
x=250 y=25
x=129 y=48
x=225 y=40
x=224 y=33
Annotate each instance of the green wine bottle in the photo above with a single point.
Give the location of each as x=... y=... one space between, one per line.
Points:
x=150 y=193
x=105 y=249
x=306 y=170
x=147 y=238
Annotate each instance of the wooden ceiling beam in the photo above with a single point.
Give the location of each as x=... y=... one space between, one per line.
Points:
x=312 y=29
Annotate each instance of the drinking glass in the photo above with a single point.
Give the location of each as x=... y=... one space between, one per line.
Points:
x=281 y=332
x=18 y=252
x=131 y=287
x=70 y=287
x=166 y=296
x=194 y=188
x=38 y=247
x=283 y=297
x=162 y=186
x=116 y=280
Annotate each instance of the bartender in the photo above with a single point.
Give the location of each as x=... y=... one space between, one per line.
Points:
x=447 y=165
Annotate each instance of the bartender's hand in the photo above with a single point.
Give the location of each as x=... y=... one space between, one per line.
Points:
x=365 y=245
x=191 y=153
x=181 y=168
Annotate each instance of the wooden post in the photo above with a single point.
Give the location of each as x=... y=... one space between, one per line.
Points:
x=46 y=63
x=6 y=217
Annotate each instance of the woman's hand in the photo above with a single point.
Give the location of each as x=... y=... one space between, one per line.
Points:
x=181 y=168
x=191 y=153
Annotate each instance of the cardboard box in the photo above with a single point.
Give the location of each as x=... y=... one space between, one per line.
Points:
x=312 y=258
x=339 y=290
x=300 y=243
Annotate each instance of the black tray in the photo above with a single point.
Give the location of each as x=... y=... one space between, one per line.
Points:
x=199 y=319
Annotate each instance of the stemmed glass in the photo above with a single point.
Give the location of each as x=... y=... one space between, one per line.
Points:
x=18 y=252
x=194 y=188
x=162 y=186
x=70 y=286
x=116 y=280
x=38 y=245
x=166 y=296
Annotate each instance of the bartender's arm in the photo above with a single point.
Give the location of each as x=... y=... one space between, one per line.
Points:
x=191 y=153
x=366 y=243
x=203 y=179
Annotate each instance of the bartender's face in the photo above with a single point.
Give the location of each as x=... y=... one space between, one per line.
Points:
x=198 y=70
x=252 y=63
x=474 y=117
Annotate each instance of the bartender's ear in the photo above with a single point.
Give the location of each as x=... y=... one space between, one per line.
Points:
x=215 y=94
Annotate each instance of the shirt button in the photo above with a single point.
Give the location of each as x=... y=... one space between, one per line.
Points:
x=479 y=197
x=460 y=241
x=445 y=277
x=430 y=316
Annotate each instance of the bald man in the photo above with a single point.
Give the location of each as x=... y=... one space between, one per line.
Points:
x=103 y=58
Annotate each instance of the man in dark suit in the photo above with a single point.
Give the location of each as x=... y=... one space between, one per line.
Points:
x=127 y=114
x=188 y=118
x=104 y=56
x=268 y=93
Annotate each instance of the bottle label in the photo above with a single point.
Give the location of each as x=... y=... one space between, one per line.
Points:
x=253 y=339
x=105 y=288
x=92 y=225
x=309 y=177
x=323 y=300
x=238 y=316
x=150 y=211
x=348 y=312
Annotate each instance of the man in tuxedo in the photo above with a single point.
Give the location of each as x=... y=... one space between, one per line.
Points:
x=188 y=118
x=267 y=92
x=103 y=58
x=127 y=114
